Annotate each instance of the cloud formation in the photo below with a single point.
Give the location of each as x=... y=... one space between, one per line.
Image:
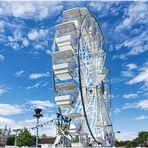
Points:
x=130 y=96
x=37 y=85
x=10 y=109
x=3 y=90
x=142 y=104
x=38 y=75
x=141 y=118
x=19 y=73
x=43 y=104
x=1 y=57
x=30 y=10
x=136 y=13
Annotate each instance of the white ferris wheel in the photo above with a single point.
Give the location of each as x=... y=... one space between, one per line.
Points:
x=81 y=80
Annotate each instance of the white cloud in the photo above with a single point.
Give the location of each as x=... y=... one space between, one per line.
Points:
x=48 y=52
x=117 y=110
x=3 y=90
x=129 y=106
x=38 y=75
x=31 y=10
x=10 y=109
x=16 y=38
x=19 y=73
x=130 y=96
x=42 y=104
x=136 y=13
x=131 y=66
x=33 y=86
x=141 y=118
x=1 y=57
x=141 y=77
x=127 y=74
x=19 y=38
x=135 y=45
x=142 y=104
x=2 y=24
x=36 y=34
x=126 y=135
x=33 y=35
x=105 y=8
x=4 y=121
x=37 y=85
x=25 y=42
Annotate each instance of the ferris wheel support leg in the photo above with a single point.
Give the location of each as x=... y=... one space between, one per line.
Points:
x=100 y=116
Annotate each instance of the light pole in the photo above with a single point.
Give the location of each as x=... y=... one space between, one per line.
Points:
x=37 y=115
x=16 y=131
x=117 y=132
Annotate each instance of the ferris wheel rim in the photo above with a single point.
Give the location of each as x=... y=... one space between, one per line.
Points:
x=106 y=55
x=79 y=72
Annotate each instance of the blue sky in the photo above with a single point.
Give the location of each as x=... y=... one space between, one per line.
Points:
x=26 y=34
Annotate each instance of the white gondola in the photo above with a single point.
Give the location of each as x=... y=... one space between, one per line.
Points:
x=69 y=87
x=67 y=42
x=66 y=37
x=75 y=14
x=63 y=71
x=66 y=101
x=66 y=53
x=66 y=28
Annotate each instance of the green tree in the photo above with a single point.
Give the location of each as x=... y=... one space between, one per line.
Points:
x=134 y=143
x=24 y=138
x=10 y=140
x=140 y=140
x=121 y=143
x=143 y=136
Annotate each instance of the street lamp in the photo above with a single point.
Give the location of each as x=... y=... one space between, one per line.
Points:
x=118 y=132
x=37 y=115
x=16 y=131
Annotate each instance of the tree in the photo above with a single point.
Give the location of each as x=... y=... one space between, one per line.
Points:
x=139 y=141
x=121 y=143
x=10 y=140
x=143 y=136
x=24 y=138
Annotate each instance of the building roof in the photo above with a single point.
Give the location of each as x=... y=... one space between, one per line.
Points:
x=47 y=140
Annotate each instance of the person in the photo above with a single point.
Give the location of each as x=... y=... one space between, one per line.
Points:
x=65 y=122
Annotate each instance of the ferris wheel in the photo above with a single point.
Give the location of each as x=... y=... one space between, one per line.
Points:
x=81 y=80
